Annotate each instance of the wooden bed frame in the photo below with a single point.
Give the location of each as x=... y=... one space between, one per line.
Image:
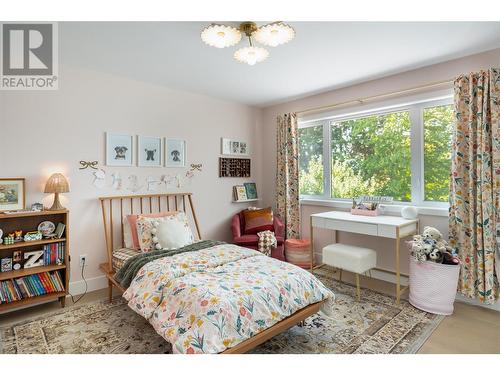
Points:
x=118 y=206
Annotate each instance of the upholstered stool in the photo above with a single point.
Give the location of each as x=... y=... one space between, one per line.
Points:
x=298 y=252
x=350 y=258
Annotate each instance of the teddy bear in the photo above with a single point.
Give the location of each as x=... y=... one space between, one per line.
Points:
x=431 y=233
x=417 y=251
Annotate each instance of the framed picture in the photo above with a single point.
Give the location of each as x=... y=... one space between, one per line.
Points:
x=12 y=194
x=119 y=150
x=175 y=154
x=149 y=151
x=233 y=147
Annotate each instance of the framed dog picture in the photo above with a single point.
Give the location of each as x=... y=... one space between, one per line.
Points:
x=119 y=150
x=12 y=194
x=149 y=152
x=175 y=154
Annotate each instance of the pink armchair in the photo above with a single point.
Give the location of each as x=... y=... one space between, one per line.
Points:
x=251 y=240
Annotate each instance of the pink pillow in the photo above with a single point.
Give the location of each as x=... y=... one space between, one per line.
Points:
x=132 y=220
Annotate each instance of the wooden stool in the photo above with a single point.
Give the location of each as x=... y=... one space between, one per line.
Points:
x=350 y=258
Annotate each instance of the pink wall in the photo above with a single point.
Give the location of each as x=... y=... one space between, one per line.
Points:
x=44 y=132
x=418 y=77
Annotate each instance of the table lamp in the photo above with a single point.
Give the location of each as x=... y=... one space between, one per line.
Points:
x=56 y=184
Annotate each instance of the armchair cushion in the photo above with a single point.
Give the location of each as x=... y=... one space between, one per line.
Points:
x=258 y=220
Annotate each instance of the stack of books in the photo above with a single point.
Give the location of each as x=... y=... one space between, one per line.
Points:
x=30 y=286
x=52 y=252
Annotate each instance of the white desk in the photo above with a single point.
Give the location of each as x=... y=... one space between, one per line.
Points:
x=381 y=226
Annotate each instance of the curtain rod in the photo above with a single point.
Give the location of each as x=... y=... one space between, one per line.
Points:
x=374 y=97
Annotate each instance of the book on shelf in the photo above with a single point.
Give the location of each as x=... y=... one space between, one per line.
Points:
x=53 y=252
x=30 y=286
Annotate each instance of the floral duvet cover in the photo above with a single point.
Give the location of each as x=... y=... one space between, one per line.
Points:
x=209 y=300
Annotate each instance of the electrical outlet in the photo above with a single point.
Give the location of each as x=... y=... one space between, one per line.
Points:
x=83 y=260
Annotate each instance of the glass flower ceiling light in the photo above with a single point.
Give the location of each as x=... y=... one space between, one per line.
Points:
x=273 y=34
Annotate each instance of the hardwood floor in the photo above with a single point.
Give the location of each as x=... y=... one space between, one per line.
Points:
x=471 y=329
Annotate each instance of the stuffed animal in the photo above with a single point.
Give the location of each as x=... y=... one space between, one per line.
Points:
x=432 y=233
x=436 y=255
x=417 y=251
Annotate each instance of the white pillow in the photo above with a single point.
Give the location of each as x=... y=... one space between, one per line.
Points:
x=127 y=234
x=172 y=232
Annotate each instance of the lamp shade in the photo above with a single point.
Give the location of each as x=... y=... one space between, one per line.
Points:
x=57 y=183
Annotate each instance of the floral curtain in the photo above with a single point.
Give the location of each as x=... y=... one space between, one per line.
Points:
x=287 y=174
x=475 y=182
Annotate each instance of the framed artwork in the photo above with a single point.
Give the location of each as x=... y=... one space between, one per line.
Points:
x=150 y=153
x=119 y=150
x=234 y=167
x=12 y=194
x=175 y=154
x=234 y=147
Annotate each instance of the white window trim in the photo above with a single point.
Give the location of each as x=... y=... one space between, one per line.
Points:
x=415 y=106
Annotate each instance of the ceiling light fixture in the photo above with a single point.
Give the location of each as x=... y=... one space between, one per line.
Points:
x=273 y=34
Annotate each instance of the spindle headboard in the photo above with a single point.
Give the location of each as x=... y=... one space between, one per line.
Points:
x=122 y=205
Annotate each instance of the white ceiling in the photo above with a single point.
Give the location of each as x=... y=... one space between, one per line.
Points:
x=323 y=56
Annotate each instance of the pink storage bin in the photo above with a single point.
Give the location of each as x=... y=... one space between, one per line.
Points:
x=433 y=286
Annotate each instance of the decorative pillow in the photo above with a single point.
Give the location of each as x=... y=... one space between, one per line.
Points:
x=132 y=224
x=258 y=220
x=171 y=232
x=127 y=234
x=145 y=226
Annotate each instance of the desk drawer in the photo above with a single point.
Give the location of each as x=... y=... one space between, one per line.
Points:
x=353 y=227
x=318 y=222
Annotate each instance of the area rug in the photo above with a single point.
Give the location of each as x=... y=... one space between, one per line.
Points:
x=373 y=325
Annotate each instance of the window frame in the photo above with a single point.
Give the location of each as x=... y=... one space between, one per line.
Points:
x=416 y=109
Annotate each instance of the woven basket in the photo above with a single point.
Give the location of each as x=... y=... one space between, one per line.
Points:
x=433 y=286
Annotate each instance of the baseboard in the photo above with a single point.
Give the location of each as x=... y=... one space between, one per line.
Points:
x=78 y=287
x=474 y=302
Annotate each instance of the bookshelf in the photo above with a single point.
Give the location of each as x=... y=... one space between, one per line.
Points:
x=28 y=221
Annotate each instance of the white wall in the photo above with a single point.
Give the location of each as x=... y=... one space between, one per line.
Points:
x=418 y=77
x=48 y=131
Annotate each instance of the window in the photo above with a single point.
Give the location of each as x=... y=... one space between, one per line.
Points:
x=311 y=160
x=371 y=156
x=438 y=122
x=403 y=152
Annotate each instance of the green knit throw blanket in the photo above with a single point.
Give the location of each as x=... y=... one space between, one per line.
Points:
x=132 y=266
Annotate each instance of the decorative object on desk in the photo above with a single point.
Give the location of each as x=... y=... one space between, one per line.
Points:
x=251 y=190
x=17 y=259
x=150 y=153
x=18 y=236
x=88 y=164
x=234 y=147
x=117 y=181
x=12 y=194
x=176 y=153
x=234 y=167
x=6 y=264
x=239 y=193
x=37 y=207
x=409 y=212
x=33 y=258
x=99 y=179
x=364 y=209
x=33 y=236
x=9 y=239
x=46 y=227
x=56 y=184
x=119 y=150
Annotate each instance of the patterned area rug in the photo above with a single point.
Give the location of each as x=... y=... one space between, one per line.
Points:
x=373 y=325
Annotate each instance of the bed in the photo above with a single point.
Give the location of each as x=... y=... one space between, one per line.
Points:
x=210 y=297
